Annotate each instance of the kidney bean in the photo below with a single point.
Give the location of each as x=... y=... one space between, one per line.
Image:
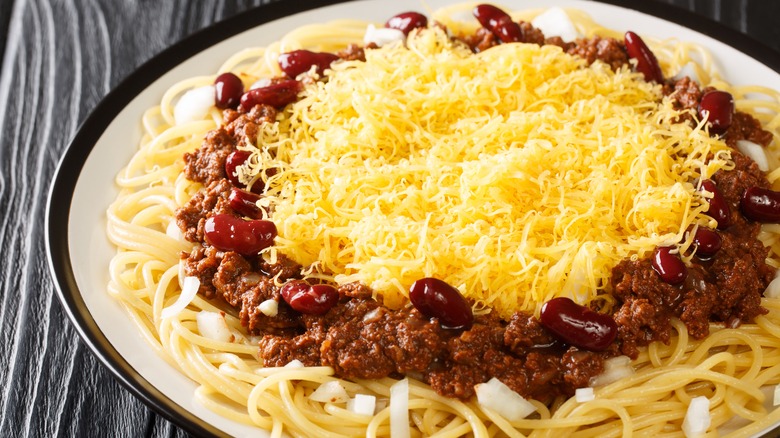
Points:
x=499 y=23
x=578 y=325
x=718 y=107
x=435 y=298
x=245 y=203
x=309 y=299
x=668 y=266
x=708 y=242
x=761 y=205
x=300 y=61
x=407 y=21
x=646 y=62
x=719 y=207
x=276 y=95
x=235 y=159
x=228 y=89
x=229 y=233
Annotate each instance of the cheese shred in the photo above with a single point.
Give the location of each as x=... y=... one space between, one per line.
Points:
x=517 y=174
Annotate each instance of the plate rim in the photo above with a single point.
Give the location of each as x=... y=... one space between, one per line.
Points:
x=69 y=168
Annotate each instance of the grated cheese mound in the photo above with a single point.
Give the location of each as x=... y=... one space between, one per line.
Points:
x=517 y=174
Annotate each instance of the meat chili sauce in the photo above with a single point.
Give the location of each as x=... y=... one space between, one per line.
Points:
x=343 y=327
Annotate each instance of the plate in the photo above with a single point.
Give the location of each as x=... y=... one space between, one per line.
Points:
x=82 y=189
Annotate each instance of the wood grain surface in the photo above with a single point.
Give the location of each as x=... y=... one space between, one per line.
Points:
x=59 y=58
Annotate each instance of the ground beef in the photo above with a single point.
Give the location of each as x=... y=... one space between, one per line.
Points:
x=203 y=262
x=746 y=127
x=245 y=127
x=208 y=202
x=354 y=52
x=607 y=50
x=207 y=164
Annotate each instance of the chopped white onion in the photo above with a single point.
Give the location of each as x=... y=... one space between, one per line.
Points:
x=194 y=105
x=583 y=395
x=776 y=398
x=362 y=404
x=212 y=325
x=269 y=307
x=754 y=151
x=174 y=231
x=260 y=83
x=687 y=70
x=615 y=369
x=697 y=417
x=555 y=22
x=295 y=363
x=330 y=392
x=773 y=288
x=382 y=36
x=189 y=289
x=498 y=397
x=399 y=409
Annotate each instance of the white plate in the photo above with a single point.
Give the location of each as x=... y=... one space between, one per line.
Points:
x=79 y=251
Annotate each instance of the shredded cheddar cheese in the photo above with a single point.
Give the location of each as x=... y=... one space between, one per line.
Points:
x=517 y=174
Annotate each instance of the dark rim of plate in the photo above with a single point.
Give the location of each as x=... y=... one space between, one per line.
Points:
x=69 y=169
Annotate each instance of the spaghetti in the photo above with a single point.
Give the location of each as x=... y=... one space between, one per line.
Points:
x=729 y=367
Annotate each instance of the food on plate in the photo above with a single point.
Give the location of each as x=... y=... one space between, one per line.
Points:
x=516 y=223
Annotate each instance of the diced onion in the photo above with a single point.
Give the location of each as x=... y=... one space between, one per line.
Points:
x=615 y=369
x=330 y=392
x=295 y=363
x=269 y=307
x=687 y=70
x=773 y=288
x=212 y=325
x=555 y=22
x=755 y=152
x=583 y=395
x=174 y=231
x=399 y=409
x=382 y=36
x=697 y=417
x=194 y=105
x=189 y=289
x=260 y=83
x=776 y=398
x=498 y=397
x=362 y=404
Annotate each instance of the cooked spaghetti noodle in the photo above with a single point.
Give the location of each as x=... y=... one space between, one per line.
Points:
x=729 y=367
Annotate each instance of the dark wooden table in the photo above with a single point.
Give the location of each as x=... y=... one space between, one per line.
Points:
x=60 y=57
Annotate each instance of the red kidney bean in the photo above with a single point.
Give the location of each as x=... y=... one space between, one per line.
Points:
x=719 y=208
x=309 y=299
x=407 y=21
x=235 y=159
x=761 y=205
x=707 y=242
x=229 y=233
x=718 y=107
x=300 y=61
x=578 y=325
x=228 y=89
x=435 y=298
x=245 y=203
x=646 y=62
x=276 y=95
x=499 y=23
x=668 y=266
